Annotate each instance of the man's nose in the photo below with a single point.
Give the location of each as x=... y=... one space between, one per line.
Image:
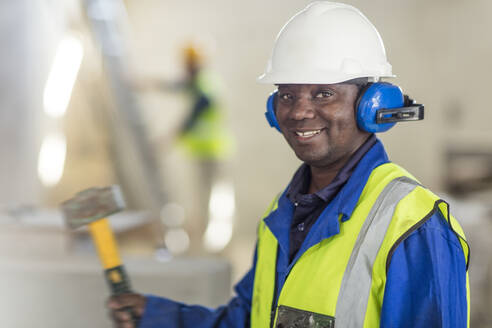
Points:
x=302 y=109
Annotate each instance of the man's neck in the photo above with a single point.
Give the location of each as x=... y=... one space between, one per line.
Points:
x=322 y=176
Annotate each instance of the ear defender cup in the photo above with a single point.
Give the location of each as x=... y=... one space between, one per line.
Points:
x=270 y=112
x=373 y=97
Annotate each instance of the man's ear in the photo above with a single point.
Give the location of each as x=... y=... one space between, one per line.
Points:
x=270 y=114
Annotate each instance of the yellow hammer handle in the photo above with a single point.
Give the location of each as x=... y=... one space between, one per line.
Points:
x=105 y=243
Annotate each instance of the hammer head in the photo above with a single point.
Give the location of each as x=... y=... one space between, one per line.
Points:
x=91 y=205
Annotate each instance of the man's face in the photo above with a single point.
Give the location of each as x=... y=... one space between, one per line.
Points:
x=318 y=121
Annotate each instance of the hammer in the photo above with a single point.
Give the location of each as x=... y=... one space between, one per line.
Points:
x=92 y=207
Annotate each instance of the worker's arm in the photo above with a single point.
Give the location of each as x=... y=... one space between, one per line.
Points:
x=201 y=104
x=157 y=311
x=157 y=84
x=426 y=281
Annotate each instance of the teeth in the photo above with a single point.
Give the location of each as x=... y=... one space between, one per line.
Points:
x=308 y=133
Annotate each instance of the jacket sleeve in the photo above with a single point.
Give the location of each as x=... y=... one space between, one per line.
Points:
x=163 y=312
x=426 y=280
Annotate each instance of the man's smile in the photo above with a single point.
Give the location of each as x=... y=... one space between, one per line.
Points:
x=307 y=134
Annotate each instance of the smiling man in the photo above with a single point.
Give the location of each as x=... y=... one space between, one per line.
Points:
x=319 y=124
x=354 y=240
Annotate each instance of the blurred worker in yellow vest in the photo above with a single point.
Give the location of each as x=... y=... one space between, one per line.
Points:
x=203 y=134
x=204 y=137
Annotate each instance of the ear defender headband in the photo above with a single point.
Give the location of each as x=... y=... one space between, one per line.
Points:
x=379 y=107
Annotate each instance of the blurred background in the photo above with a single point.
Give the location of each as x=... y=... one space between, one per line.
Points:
x=102 y=92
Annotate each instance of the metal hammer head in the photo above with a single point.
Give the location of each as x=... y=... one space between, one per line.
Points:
x=91 y=205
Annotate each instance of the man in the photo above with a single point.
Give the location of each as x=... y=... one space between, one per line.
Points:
x=203 y=136
x=354 y=240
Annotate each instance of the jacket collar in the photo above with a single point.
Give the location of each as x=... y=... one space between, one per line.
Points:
x=341 y=206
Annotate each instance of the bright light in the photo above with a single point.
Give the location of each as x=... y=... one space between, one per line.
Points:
x=52 y=159
x=221 y=215
x=177 y=240
x=62 y=77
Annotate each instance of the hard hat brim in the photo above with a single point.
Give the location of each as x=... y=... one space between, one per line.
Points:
x=317 y=77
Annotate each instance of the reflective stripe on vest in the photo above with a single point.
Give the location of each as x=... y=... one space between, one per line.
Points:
x=346 y=273
x=356 y=283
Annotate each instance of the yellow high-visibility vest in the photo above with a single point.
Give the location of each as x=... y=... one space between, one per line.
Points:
x=342 y=279
x=208 y=138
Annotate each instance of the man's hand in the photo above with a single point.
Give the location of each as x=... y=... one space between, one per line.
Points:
x=123 y=306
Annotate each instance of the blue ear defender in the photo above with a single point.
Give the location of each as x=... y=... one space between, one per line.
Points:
x=372 y=98
x=270 y=111
x=379 y=106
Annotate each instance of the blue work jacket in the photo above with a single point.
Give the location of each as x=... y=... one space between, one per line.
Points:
x=426 y=279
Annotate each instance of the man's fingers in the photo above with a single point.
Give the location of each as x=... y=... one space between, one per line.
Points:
x=123 y=319
x=117 y=302
x=126 y=324
x=121 y=316
x=126 y=309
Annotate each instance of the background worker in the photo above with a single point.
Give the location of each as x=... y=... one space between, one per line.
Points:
x=203 y=132
x=353 y=240
x=203 y=135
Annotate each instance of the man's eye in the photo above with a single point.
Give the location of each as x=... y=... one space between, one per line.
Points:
x=324 y=94
x=285 y=96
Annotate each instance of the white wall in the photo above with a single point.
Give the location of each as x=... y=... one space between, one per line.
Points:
x=18 y=112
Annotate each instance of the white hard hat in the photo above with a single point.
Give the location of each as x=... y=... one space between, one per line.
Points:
x=327 y=43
